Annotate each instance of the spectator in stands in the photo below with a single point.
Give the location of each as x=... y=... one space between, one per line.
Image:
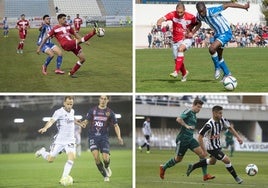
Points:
x=211 y=131
x=185 y=140
x=229 y=140
x=57 y=9
x=223 y=34
x=147 y=132
x=183 y=31
x=22 y=25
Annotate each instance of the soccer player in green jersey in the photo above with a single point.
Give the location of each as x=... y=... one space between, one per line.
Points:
x=185 y=139
x=229 y=140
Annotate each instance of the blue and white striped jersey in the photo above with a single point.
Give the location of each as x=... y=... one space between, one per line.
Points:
x=215 y=20
x=43 y=34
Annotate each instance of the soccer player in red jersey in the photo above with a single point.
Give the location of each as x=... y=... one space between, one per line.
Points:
x=77 y=23
x=22 y=26
x=184 y=27
x=63 y=33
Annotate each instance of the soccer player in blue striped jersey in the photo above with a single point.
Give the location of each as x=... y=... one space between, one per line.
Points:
x=49 y=48
x=223 y=33
x=212 y=144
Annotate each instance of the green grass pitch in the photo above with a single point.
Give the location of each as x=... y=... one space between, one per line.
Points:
x=24 y=170
x=108 y=66
x=248 y=66
x=147 y=171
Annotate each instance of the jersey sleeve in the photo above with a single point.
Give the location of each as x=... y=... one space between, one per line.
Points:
x=204 y=129
x=169 y=16
x=113 y=118
x=56 y=115
x=216 y=10
x=89 y=115
x=226 y=123
x=51 y=32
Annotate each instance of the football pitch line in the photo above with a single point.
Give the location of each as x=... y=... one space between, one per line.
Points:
x=202 y=183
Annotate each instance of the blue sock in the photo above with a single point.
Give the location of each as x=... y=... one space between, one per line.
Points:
x=48 y=60
x=215 y=60
x=59 y=61
x=224 y=67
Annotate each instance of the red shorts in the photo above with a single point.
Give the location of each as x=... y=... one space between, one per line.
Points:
x=70 y=45
x=22 y=35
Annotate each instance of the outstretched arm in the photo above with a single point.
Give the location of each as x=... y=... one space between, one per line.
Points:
x=47 y=125
x=42 y=43
x=233 y=131
x=236 y=5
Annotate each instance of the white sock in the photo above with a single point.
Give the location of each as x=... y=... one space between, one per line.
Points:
x=67 y=168
x=44 y=154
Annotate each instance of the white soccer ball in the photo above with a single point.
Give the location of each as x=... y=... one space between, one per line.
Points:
x=251 y=169
x=67 y=181
x=100 y=32
x=230 y=83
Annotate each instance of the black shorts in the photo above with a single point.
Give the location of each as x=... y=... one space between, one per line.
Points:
x=217 y=153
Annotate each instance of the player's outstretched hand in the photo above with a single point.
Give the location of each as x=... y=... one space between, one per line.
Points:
x=42 y=130
x=247 y=6
x=120 y=140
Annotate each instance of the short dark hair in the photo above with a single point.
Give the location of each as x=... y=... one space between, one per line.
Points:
x=61 y=15
x=45 y=16
x=200 y=5
x=217 y=108
x=198 y=101
x=68 y=97
x=180 y=4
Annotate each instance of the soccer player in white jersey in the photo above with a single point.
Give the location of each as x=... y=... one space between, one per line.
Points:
x=147 y=132
x=212 y=145
x=223 y=33
x=64 y=139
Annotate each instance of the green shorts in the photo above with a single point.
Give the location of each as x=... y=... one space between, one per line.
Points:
x=183 y=143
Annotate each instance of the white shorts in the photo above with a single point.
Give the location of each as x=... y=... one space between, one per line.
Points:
x=186 y=42
x=55 y=149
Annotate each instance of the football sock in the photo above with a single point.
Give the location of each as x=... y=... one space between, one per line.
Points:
x=67 y=168
x=19 y=46
x=101 y=169
x=170 y=163
x=22 y=44
x=106 y=163
x=179 y=61
x=215 y=59
x=88 y=36
x=224 y=67
x=59 y=61
x=231 y=170
x=183 y=70
x=201 y=163
x=76 y=67
x=204 y=169
x=148 y=147
x=48 y=60
x=44 y=154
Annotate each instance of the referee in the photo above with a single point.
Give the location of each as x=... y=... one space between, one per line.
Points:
x=146 y=129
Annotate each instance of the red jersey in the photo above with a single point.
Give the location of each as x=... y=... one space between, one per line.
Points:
x=180 y=25
x=62 y=33
x=22 y=25
x=77 y=22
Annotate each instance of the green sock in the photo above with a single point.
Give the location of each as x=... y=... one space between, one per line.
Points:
x=170 y=163
x=204 y=170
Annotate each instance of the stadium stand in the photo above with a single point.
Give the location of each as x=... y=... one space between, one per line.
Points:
x=31 y=8
x=118 y=7
x=84 y=8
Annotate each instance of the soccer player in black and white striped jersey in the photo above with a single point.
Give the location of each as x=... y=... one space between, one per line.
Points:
x=211 y=131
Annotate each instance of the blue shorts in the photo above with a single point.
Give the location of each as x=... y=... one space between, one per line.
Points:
x=224 y=38
x=101 y=144
x=47 y=46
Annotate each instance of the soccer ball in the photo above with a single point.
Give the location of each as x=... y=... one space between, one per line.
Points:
x=100 y=32
x=230 y=83
x=251 y=170
x=66 y=181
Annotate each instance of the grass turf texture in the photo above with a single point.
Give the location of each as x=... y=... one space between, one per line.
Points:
x=147 y=171
x=108 y=66
x=24 y=170
x=248 y=66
